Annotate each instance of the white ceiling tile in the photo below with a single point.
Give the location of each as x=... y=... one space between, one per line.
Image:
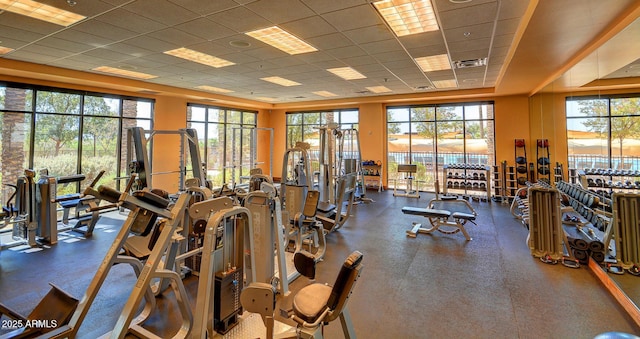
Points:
x=484 y=30
x=150 y=43
x=508 y=26
x=360 y=60
x=308 y=27
x=205 y=29
x=346 y=52
x=107 y=54
x=104 y=30
x=286 y=61
x=205 y=7
x=86 y=8
x=73 y=64
x=66 y=45
x=383 y=46
x=422 y=39
x=28 y=24
x=240 y=19
x=369 y=34
x=400 y=64
x=129 y=49
x=503 y=40
x=325 y=42
x=324 y=6
x=130 y=21
x=24 y=55
x=353 y=17
x=468 y=16
x=280 y=11
x=513 y=9
x=161 y=11
x=10 y=43
x=82 y=37
x=427 y=51
x=55 y=53
x=176 y=37
x=265 y=52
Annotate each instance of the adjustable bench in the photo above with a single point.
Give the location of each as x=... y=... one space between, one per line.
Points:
x=445 y=216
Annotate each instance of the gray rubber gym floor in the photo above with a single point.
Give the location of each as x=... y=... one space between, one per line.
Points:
x=432 y=286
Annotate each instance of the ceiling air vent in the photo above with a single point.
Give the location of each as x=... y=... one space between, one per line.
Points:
x=470 y=63
x=362 y=92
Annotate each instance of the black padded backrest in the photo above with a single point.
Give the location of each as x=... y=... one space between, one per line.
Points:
x=109 y=194
x=311 y=204
x=305 y=263
x=152 y=198
x=344 y=282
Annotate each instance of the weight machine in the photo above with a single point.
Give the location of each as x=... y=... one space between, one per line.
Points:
x=21 y=213
x=138 y=146
x=238 y=159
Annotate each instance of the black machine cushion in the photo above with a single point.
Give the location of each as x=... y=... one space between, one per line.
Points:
x=311 y=301
x=151 y=198
x=426 y=212
x=466 y=216
x=109 y=194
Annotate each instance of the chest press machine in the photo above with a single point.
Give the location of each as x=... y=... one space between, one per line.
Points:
x=446 y=215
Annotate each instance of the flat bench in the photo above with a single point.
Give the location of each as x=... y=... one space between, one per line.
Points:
x=439 y=217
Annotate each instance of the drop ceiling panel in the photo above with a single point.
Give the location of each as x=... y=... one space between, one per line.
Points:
x=240 y=19
x=150 y=43
x=360 y=60
x=82 y=37
x=28 y=24
x=512 y=9
x=391 y=56
x=353 y=17
x=384 y=46
x=346 y=52
x=467 y=16
x=177 y=37
x=27 y=55
x=286 y=61
x=66 y=45
x=161 y=11
x=329 y=41
x=370 y=34
x=130 y=21
x=315 y=57
x=205 y=29
x=265 y=52
x=129 y=49
x=422 y=39
x=205 y=7
x=280 y=11
x=480 y=31
x=74 y=64
x=308 y=27
x=104 y=30
x=8 y=42
x=107 y=54
x=427 y=51
x=86 y=8
x=446 y=5
x=507 y=26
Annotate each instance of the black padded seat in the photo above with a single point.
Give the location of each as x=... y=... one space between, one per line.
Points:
x=326 y=207
x=426 y=212
x=465 y=216
x=311 y=301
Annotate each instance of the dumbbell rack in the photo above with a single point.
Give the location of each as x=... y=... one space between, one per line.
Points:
x=468 y=178
x=558 y=173
x=522 y=175
x=502 y=185
x=543 y=161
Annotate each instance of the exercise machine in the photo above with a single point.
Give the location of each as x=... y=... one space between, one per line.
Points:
x=306 y=230
x=445 y=215
x=20 y=211
x=407 y=173
x=314 y=306
x=138 y=141
x=243 y=162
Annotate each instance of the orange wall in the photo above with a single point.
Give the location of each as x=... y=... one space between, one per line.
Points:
x=169 y=114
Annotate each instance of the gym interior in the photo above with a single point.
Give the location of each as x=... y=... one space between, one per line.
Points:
x=413 y=169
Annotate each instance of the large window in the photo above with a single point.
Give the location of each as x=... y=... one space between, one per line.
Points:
x=604 y=132
x=432 y=136
x=303 y=127
x=65 y=132
x=225 y=141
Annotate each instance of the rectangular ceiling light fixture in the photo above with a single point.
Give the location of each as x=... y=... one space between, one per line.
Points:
x=445 y=83
x=199 y=57
x=282 y=40
x=346 y=73
x=378 y=89
x=325 y=94
x=41 y=11
x=266 y=99
x=407 y=17
x=214 y=89
x=434 y=63
x=5 y=50
x=281 y=81
x=123 y=72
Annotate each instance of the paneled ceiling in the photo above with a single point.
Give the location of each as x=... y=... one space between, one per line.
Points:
x=524 y=42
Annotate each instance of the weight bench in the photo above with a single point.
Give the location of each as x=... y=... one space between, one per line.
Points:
x=445 y=216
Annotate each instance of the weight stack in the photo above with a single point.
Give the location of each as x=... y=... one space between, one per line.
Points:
x=626 y=228
x=545 y=223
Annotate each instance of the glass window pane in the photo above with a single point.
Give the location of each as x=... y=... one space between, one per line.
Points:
x=329 y=117
x=472 y=112
x=294 y=118
x=101 y=106
x=587 y=107
x=234 y=117
x=99 y=149
x=294 y=134
x=215 y=154
x=349 y=117
x=588 y=143
x=449 y=113
x=249 y=118
x=136 y=109
x=398 y=114
x=56 y=144
x=625 y=106
x=196 y=113
x=15 y=99
x=215 y=115
x=56 y=102
x=311 y=118
x=423 y=113
x=450 y=141
x=398 y=148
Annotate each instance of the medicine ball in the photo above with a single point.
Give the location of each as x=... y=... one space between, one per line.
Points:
x=522 y=181
x=521 y=160
x=519 y=142
x=543 y=143
x=522 y=169
x=543 y=161
x=543 y=170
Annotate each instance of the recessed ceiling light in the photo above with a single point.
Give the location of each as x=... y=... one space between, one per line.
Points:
x=118 y=71
x=445 y=83
x=434 y=63
x=41 y=11
x=469 y=81
x=378 y=89
x=214 y=89
x=282 y=40
x=407 y=17
x=347 y=73
x=281 y=81
x=5 y=50
x=239 y=43
x=201 y=58
x=325 y=94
